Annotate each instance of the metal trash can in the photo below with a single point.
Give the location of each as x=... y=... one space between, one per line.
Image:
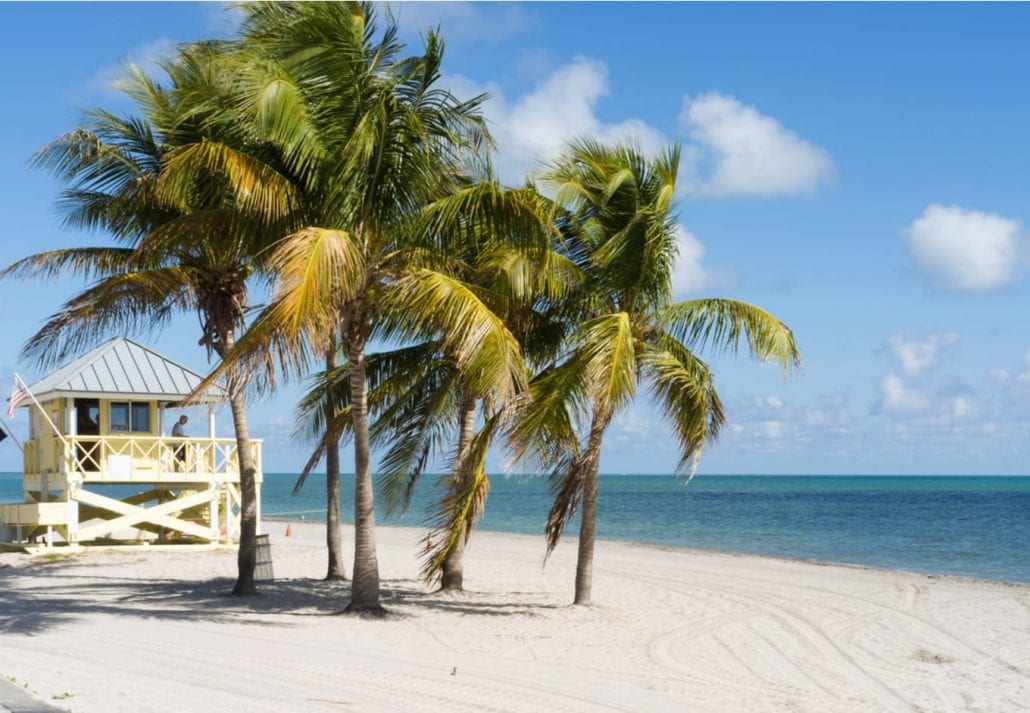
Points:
x=263 y=560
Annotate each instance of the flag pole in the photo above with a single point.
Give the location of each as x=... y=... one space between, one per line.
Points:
x=9 y=432
x=57 y=431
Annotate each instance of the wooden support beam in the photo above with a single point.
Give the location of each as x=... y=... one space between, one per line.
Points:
x=132 y=515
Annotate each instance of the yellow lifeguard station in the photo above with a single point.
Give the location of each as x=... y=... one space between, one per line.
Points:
x=100 y=469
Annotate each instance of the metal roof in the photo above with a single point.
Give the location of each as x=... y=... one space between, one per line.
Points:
x=124 y=368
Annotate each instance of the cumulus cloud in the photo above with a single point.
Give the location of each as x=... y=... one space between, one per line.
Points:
x=689 y=275
x=765 y=423
x=964 y=249
x=915 y=356
x=944 y=402
x=536 y=126
x=898 y=399
x=737 y=150
x=732 y=148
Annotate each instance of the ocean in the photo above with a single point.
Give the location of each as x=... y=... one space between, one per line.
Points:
x=976 y=526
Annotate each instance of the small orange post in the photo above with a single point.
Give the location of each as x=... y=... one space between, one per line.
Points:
x=289 y=530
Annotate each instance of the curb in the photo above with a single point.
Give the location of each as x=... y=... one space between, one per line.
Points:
x=15 y=699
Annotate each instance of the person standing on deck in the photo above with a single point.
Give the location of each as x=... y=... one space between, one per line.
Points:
x=179 y=431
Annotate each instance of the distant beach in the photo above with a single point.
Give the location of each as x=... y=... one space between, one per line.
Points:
x=131 y=631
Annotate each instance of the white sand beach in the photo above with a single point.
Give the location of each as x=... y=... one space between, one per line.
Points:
x=671 y=631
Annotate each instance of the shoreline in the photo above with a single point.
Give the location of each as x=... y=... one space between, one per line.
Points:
x=669 y=631
x=704 y=550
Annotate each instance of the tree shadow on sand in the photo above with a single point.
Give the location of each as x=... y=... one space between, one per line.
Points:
x=412 y=594
x=38 y=596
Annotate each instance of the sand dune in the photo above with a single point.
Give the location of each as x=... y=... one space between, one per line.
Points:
x=672 y=631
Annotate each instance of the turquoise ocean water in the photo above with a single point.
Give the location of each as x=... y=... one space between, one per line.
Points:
x=974 y=526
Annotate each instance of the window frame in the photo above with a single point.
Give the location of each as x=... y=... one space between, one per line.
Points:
x=132 y=408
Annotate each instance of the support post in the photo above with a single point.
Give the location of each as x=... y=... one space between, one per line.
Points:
x=212 y=512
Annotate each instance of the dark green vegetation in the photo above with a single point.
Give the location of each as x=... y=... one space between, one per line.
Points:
x=312 y=154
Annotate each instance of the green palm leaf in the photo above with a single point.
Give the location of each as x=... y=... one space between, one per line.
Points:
x=719 y=324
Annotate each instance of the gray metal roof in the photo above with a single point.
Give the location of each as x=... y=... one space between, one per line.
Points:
x=124 y=368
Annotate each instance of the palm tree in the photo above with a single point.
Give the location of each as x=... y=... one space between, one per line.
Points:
x=521 y=283
x=188 y=242
x=421 y=401
x=626 y=330
x=319 y=409
x=373 y=141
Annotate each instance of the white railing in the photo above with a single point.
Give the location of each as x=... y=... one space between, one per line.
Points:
x=140 y=458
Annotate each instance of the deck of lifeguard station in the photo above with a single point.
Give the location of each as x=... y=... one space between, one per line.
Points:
x=100 y=421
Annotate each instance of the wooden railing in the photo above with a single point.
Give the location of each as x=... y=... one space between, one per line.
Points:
x=141 y=458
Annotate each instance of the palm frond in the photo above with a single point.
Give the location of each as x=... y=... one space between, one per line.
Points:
x=257 y=187
x=318 y=271
x=684 y=387
x=428 y=305
x=132 y=302
x=88 y=263
x=458 y=511
x=608 y=350
x=543 y=426
x=566 y=479
x=720 y=325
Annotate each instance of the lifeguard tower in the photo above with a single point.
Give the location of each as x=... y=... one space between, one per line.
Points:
x=99 y=469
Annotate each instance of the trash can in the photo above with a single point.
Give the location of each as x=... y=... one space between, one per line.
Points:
x=263 y=560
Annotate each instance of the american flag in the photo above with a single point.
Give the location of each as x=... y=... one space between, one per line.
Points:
x=18 y=396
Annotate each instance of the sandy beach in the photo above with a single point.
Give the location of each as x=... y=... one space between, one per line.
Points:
x=671 y=631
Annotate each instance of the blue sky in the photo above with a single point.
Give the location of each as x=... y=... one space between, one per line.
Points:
x=861 y=171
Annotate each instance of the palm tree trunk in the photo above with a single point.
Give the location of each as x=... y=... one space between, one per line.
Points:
x=365 y=585
x=333 y=539
x=585 y=560
x=453 y=565
x=246 y=558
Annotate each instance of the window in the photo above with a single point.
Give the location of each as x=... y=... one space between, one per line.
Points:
x=126 y=416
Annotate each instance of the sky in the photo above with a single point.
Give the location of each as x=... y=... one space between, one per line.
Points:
x=860 y=171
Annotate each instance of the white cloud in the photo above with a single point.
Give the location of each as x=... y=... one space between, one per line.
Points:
x=943 y=403
x=689 y=275
x=744 y=152
x=830 y=414
x=732 y=149
x=1014 y=390
x=631 y=427
x=917 y=356
x=965 y=249
x=537 y=125
x=1004 y=376
x=741 y=151
x=898 y=399
x=771 y=429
